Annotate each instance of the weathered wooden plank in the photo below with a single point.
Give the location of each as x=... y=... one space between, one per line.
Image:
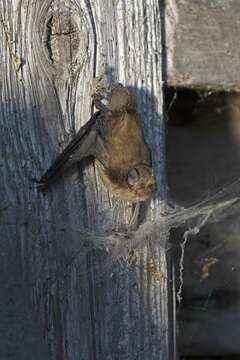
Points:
x=202 y=39
x=96 y=298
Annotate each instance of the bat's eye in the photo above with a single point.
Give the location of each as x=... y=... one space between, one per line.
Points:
x=133 y=177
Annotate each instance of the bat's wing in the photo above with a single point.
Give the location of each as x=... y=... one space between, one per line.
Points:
x=87 y=142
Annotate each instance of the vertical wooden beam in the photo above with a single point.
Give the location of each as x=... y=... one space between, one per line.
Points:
x=99 y=295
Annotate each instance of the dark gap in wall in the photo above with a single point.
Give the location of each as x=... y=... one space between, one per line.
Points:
x=203 y=157
x=203 y=142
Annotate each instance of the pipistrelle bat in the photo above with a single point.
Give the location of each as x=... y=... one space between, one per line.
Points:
x=114 y=137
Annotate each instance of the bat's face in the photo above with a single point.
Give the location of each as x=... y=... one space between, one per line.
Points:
x=141 y=182
x=135 y=185
x=125 y=170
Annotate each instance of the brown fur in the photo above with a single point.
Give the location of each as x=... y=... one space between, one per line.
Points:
x=115 y=139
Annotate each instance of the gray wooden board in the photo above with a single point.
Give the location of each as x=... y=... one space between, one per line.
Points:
x=202 y=43
x=91 y=303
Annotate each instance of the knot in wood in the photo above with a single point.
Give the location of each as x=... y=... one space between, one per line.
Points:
x=65 y=37
x=62 y=38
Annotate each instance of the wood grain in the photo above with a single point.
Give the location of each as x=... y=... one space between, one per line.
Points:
x=93 y=300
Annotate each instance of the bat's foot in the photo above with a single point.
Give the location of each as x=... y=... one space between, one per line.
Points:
x=115 y=98
x=99 y=104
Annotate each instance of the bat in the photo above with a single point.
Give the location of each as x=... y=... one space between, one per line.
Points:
x=114 y=138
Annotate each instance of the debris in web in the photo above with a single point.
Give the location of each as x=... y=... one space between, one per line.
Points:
x=116 y=246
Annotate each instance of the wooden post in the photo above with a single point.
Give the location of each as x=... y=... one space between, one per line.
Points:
x=98 y=296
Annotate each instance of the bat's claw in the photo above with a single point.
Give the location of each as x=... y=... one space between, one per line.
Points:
x=97 y=100
x=40 y=185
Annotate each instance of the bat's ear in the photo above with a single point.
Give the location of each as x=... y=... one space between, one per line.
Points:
x=133 y=177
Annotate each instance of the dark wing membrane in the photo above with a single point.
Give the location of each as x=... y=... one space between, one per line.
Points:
x=82 y=146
